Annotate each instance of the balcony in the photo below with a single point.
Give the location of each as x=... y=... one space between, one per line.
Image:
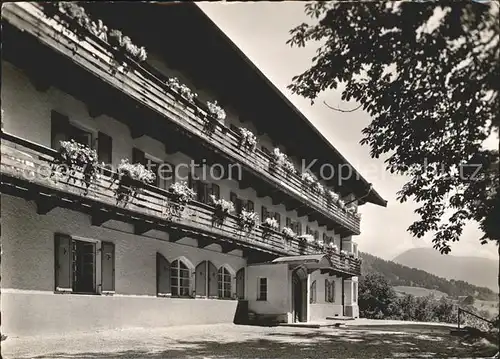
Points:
x=26 y=172
x=147 y=87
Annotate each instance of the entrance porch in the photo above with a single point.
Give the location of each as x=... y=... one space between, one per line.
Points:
x=300 y=289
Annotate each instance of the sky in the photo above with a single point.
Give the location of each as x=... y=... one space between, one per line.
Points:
x=260 y=30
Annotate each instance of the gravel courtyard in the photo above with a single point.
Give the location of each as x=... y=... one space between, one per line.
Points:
x=233 y=341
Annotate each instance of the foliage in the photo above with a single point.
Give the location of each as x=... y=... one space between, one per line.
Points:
x=216 y=111
x=308 y=178
x=320 y=243
x=375 y=297
x=130 y=178
x=288 y=233
x=318 y=187
x=181 y=193
x=332 y=196
x=222 y=209
x=248 y=139
x=271 y=223
x=307 y=238
x=279 y=159
x=248 y=220
x=398 y=274
x=333 y=246
x=76 y=157
x=427 y=74
x=182 y=89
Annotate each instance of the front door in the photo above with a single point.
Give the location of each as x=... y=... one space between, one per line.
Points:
x=297 y=299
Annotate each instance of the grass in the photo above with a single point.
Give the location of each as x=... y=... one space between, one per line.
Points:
x=419 y=291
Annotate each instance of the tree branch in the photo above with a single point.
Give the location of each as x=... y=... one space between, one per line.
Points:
x=339 y=109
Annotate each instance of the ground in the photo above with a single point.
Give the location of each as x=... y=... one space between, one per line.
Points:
x=235 y=341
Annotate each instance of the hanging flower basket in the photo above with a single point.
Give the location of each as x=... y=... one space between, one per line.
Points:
x=216 y=111
x=318 y=187
x=288 y=233
x=332 y=197
x=222 y=209
x=248 y=220
x=248 y=139
x=280 y=159
x=72 y=158
x=130 y=179
x=308 y=179
x=270 y=223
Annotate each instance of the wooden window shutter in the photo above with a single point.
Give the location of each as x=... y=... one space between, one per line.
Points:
x=233 y=198
x=59 y=129
x=138 y=156
x=63 y=262
x=250 y=206
x=288 y=223
x=327 y=290
x=308 y=230
x=212 y=280
x=108 y=266
x=263 y=213
x=299 y=228
x=162 y=275
x=316 y=234
x=104 y=148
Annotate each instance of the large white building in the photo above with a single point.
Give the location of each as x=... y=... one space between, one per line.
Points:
x=78 y=258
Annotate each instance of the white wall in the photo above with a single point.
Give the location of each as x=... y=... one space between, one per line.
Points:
x=278 y=288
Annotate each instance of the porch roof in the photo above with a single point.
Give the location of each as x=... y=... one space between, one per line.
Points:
x=310 y=263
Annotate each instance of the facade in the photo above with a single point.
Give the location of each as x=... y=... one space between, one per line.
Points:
x=77 y=254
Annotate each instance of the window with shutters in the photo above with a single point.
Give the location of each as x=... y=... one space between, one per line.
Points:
x=180 y=279
x=264 y=214
x=299 y=228
x=224 y=283
x=277 y=217
x=75 y=265
x=62 y=129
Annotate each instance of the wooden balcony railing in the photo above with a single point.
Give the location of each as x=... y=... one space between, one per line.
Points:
x=147 y=86
x=27 y=170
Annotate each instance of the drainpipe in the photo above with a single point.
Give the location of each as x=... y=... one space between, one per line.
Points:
x=343 y=310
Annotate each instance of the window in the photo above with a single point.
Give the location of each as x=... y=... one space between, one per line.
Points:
x=355 y=292
x=288 y=222
x=308 y=230
x=63 y=130
x=312 y=298
x=224 y=283
x=179 y=279
x=75 y=265
x=316 y=234
x=104 y=148
x=329 y=291
x=167 y=174
x=262 y=290
x=250 y=206
x=299 y=228
x=277 y=217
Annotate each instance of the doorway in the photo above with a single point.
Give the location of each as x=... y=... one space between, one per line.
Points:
x=299 y=294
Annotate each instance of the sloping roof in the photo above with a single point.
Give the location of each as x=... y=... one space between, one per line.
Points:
x=190 y=38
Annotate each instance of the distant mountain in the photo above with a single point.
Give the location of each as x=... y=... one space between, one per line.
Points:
x=400 y=275
x=479 y=271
